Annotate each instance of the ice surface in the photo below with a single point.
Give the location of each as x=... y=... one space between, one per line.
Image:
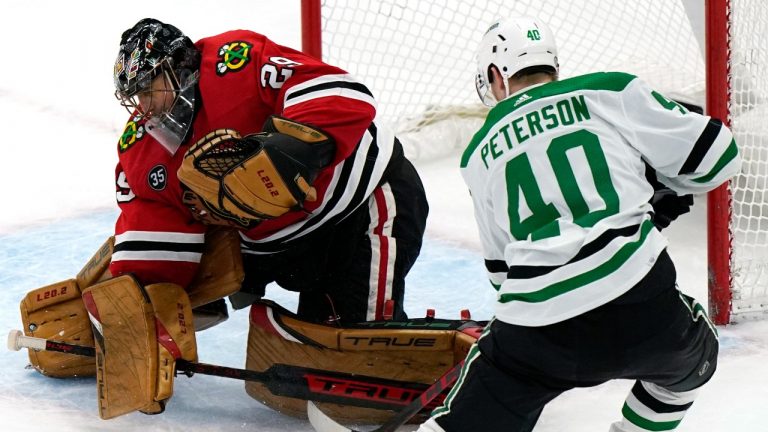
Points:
x=60 y=123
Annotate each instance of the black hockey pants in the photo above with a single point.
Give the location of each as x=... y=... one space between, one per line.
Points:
x=652 y=334
x=348 y=270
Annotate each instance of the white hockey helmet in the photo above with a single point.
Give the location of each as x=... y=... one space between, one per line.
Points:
x=512 y=45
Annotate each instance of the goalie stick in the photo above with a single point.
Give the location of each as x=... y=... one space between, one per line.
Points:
x=323 y=423
x=282 y=379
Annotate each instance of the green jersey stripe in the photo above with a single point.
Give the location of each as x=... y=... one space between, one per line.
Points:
x=730 y=154
x=472 y=355
x=702 y=146
x=575 y=282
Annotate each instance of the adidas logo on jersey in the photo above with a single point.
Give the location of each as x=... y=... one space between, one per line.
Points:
x=522 y=99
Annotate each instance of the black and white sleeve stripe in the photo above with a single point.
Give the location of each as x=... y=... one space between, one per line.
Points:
x=343 y=85
x=702 y=146
x=158 y=246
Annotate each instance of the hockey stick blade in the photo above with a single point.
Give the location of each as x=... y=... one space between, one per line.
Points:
x=323 y=423
x=280 y=379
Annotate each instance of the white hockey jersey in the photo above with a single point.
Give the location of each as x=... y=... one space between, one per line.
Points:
x=556 y=175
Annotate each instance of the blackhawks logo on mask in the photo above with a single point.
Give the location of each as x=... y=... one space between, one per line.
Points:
x=233 y=56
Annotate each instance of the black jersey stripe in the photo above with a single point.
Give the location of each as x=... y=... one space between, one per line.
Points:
x=702 y=146
x=496 y=266
x=657 y=406
x=329 y=85
x=528 y=272
x=358 y=195
x=144 y=245
x=365 y=176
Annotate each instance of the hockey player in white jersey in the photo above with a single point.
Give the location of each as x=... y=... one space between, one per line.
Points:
x=586 y=289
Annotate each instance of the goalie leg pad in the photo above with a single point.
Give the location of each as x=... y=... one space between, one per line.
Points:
x=220 y=272
x=415 y=351
x=175 y=333
x=57 y=312
x=126 y=347
x=140 y=333
x=97 y=268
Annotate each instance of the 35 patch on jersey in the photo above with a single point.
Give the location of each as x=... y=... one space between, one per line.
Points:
x=157 y=177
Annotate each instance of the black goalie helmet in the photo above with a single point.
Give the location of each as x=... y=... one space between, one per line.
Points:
x=148 y=50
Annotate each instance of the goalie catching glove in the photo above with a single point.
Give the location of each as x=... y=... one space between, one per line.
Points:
x=242 y=180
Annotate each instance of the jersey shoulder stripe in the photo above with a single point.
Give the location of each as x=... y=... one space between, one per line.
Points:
x=599 y=81
x=326 y=86
x=329 y=85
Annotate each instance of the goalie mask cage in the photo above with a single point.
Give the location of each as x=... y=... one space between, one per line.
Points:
x=417 y=57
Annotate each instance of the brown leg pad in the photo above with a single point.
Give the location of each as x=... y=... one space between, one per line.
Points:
x=126 y=345
x=57 y=312
x=418 y=356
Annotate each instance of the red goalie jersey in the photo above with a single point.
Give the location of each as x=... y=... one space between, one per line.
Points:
x=245 y=78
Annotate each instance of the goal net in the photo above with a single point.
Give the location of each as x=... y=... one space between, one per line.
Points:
x=748 y=115
x=417 y=57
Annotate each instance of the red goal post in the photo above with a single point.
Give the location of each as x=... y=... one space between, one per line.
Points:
x=418 y=59
x=718 y=93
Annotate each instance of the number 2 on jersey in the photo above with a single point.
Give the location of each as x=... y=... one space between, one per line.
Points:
x=543 y=219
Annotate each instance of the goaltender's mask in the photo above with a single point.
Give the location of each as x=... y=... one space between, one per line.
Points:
x=155 y=77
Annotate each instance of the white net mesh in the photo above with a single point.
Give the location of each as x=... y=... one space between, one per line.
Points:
x=418 y=59
x=749 y=121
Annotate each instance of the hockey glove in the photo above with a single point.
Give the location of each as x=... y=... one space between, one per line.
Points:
x=259 y=176
x=667 y=204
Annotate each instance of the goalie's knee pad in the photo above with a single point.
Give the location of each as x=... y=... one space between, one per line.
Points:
x=139 y=332
x=175 y=333
x=220 y=272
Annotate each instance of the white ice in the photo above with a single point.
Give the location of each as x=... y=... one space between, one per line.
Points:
x=60 y=124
